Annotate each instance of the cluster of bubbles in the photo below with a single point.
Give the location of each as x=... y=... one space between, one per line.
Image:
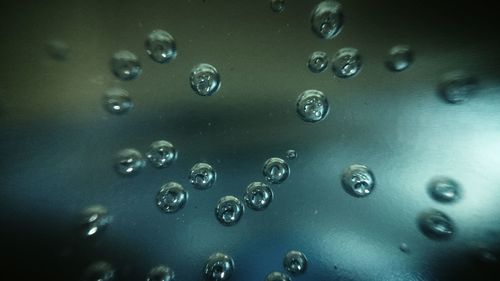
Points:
x=130 y=161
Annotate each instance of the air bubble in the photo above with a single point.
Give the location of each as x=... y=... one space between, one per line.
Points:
x=291 y=154
x=99 y=271
x=160 y=46
x=202 y=176
x=318 y=62
x=125 y=65
x=161 y=273
x=218 y=267
x=346 y=63
x=258 y=196
x=277 y=276
x=436 y=225
x=275 y=170
x=161 y=154
x=400 y=57
x=457 y=87
x=358 y=180
x=278 y=6
x=129 y=161
x=58 y=49
x=94 y=219
x=312 y=106
x=403 y=247
x=229 y=210
x=205 y=79
x=117 y=101
x=295 y=262
x=327 y=19
x=444 y=190
x=171 y=197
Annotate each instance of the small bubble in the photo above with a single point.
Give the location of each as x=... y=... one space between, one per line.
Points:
x=125 y=65
x=278 y=6
x=327 y=19
x=204 y=79
x=218 y=267
x=444 y=190
x=161 y=273
x=436 y=225
x=457 y=87
x=258 y=196
x=358 y=180
x=403 y=247
x=312 y=106
x=276 y=170
x=347 y=63
x=277 y=276
x=202 y=176
x=94 y=219
x=171 y=197
x=160 y=46
x=58 y=50
x=291 y=154
x=129 y=161
x=229 y=210
x=117 y=101
x=295 y=262
x=400 y=57
x=99 y=271
x=318 y=62
x=161 y=154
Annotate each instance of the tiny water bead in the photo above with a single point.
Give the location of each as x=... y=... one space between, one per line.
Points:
x=229 y=210
x=403 y=247
x=171 y=197
x=346 y=63
x=218 y=267
x=457 y=87
x=202 y=176
x=444 y=189
x=295 y=262
x=400 y=57
x=318 y=62
x=291 y=154
x=275 y=170
x=94 y=219
x=129 y=161
x=160 y=46
x=117 y=101
x=204 y=79
x=436 y=225
x=277 y=276
x=312 y=106
x=125 y=65
x=161 y=273
x=161 y=154
x=99 y=271
x=258 y=196
x=58 y=49
x=278 y=6
x=327 y=19
x=358 y=180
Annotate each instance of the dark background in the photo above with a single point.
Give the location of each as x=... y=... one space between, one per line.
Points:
x=57 y=142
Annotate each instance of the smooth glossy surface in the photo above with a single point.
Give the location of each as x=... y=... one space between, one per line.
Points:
x=160 y=46
x=117 y=101
x=171 y=197
x=229 y=210
x=161 y=154
x=218 y=267
x=258 y=196
x=276 y=170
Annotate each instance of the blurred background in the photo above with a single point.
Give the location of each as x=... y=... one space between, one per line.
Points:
x=58 y=142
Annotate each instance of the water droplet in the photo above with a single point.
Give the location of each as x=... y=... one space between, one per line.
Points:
x=295 y=262
x=278 y=6
x=58 y=49
x=160 y=46
x=347 y=63
x=202 y=176
x=99 y=271
x=278 y=276
x=258 y=196
x=318 y=61
x=312 y=106
x=400 y=58
x=403 y=247
x=161 y=154
x=129 y=161
x=358 y=180
x=204 y=79
x=171 y=197
x=276 y=170
x=125 y=65
x=327 y=19
x=161 y=273
x=291 y=154
x=117 y=101
x=219 y=267
x=436 y=225
x=457 y=86
x=94 y=219
x=229 y=210
x=444 y=190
